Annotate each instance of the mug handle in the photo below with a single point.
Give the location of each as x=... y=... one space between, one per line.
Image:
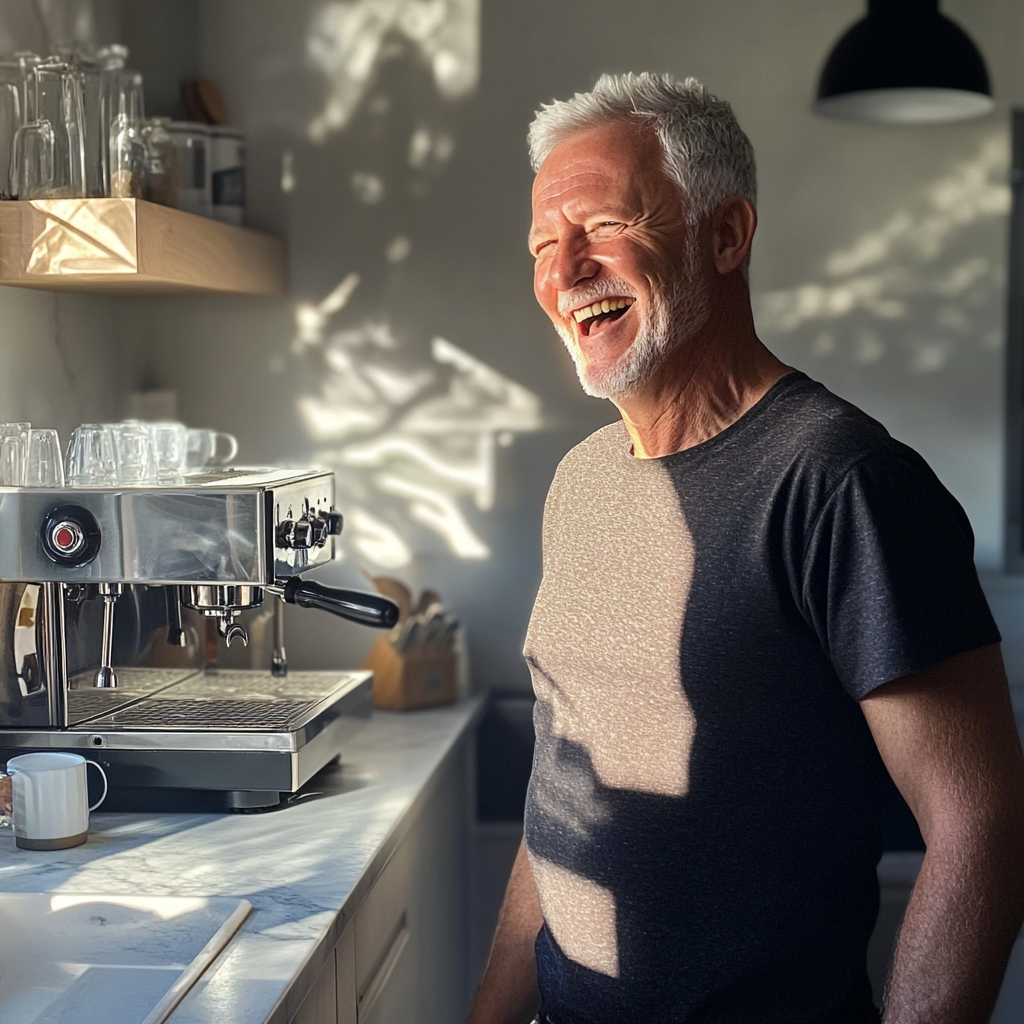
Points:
x=103 y=775
x=232 y=446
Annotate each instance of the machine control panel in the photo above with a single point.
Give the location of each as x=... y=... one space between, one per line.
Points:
x=70 y=536
x=310 y=531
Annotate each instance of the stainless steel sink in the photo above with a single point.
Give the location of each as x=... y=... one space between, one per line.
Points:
x=67 y=958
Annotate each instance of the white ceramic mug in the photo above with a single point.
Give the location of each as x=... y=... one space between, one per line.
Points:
x=50 y=799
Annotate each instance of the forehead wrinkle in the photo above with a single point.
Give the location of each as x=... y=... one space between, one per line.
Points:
x=569 y=180
x=578 y=194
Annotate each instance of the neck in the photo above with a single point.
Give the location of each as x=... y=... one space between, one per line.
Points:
x=707 y=384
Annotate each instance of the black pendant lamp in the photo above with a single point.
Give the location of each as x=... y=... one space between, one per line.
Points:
x=905 y=63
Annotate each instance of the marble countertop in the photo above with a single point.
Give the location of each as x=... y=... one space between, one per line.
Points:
x=304 y=868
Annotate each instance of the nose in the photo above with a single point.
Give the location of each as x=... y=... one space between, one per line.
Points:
x=570 y=266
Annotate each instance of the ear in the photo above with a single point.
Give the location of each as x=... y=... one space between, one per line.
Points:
x=732 y=233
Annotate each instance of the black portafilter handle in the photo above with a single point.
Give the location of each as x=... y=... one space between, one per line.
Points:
x=366 y=609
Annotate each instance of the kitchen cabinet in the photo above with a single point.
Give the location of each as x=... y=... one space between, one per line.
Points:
x=131 y=247
x=394 y=814
x=402 y=957
x=321 y=1005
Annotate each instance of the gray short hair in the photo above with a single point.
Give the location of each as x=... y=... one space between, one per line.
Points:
x=706 y=152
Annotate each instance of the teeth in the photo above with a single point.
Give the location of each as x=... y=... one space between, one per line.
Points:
x=604 y=306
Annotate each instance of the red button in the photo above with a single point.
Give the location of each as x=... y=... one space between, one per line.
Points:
x=64 y=538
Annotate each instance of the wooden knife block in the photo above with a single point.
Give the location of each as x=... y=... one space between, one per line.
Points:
x=416 y=679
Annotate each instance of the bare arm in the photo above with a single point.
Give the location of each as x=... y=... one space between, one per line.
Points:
x=948 y=738
x=508 y=994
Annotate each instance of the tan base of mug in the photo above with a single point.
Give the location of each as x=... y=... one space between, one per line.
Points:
x=64 y=843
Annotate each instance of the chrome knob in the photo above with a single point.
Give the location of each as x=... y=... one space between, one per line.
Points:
x=300 y=535
x=334 y=521
x=321 y=531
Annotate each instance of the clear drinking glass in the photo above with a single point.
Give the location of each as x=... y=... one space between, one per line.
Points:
x=92 y=82
x=12 y=461
x=135 y=453
x=13 y=437
x=32 y=161
x=209 y=448
x=90 y=459
x=170 y=442
x=44 y=461
x=60 y=127
x=44 y=464
x=18 y=107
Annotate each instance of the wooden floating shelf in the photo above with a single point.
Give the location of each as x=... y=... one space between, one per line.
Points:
x=130 y=247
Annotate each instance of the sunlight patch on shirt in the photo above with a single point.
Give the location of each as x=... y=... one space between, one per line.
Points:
x=581 y=916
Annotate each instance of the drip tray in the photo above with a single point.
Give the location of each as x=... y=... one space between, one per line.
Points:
x=227 y=702
x=245 y=734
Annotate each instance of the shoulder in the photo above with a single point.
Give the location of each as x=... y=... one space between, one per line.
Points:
x=819 y=433
x=596 y=453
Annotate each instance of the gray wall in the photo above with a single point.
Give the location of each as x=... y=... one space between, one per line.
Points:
x=58 y=354
x=879 y=266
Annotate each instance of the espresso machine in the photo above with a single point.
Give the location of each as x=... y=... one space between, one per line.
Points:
x=82 y=566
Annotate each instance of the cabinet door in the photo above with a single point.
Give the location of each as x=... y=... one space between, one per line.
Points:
x=383 y=913
x=438 y=914
x=390 y=996
x=320 y=1006
x=345 y=969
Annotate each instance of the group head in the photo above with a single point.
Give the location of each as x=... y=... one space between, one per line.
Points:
x=643 y=207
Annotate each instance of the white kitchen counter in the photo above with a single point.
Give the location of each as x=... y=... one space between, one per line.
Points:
x=304 y=868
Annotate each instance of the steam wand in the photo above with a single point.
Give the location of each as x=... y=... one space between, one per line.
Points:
x=106 y=677
x=279 y=659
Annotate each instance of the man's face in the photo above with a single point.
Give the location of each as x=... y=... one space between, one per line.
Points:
x=609 y=228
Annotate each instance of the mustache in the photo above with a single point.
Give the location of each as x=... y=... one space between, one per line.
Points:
x=607 y=288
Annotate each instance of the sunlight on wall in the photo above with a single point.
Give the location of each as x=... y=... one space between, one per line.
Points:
x=917 y=267
x=425 y=435
x=348 y=40
x=411 y=434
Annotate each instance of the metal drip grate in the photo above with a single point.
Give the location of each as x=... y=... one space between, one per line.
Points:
x=83 y=704
x=85 y=701
x=212 y=715
x=229 y=701
x=236 y=684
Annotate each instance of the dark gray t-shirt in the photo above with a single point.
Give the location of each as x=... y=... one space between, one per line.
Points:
x=704 y=816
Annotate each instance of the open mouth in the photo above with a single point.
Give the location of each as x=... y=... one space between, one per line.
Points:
x=601 y=313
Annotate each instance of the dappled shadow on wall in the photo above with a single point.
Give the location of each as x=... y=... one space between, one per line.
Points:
x=918 y=295
x=409 y=421
x=414 y=438
x=349 y=40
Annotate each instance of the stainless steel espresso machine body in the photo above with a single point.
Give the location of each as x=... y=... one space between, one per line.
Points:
x=216 y=544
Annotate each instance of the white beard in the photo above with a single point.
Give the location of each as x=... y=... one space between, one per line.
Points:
x=671 y=320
